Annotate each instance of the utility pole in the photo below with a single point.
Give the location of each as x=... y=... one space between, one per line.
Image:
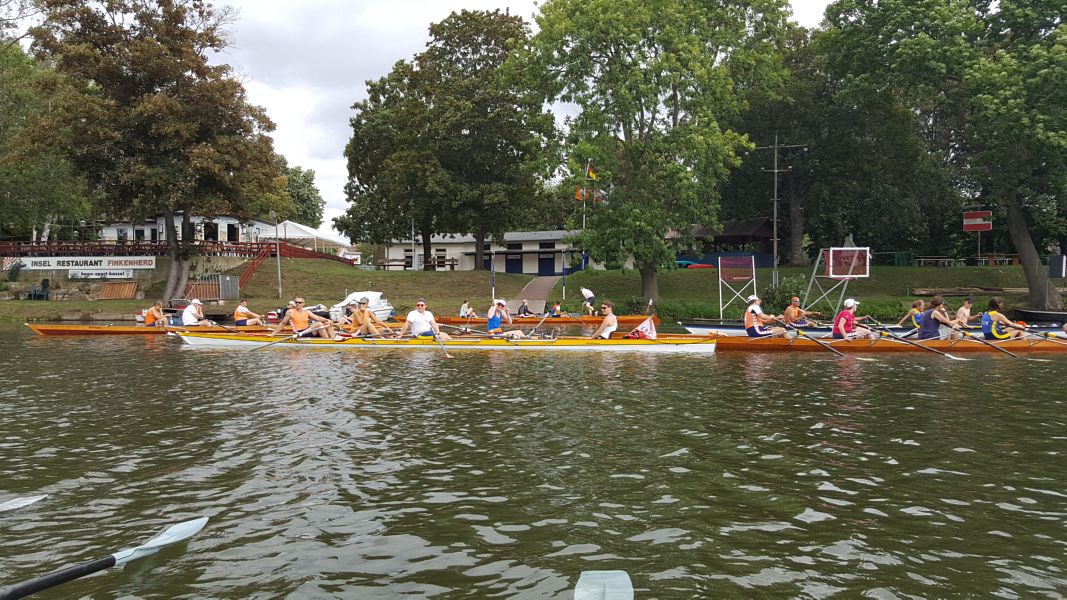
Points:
x=277 y=251
x=774 y=218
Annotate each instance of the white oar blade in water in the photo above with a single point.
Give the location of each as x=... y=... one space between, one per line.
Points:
x=20 y=502
x=173 y=534
x=604 y=585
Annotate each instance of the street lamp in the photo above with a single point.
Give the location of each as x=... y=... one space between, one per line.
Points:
x=277 y=251
x=774 y=218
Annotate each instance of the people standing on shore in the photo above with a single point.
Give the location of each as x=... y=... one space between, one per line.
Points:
x=243 y=317
x=590 y=300
x=422 y=324
x=154 y=317
x=301 y=320
x=193 y=315
x=610 y=322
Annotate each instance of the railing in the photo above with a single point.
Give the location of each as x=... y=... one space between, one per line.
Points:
x=141 y=248
x=251 y=269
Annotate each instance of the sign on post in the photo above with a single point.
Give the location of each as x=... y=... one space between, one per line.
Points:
x=978 y=220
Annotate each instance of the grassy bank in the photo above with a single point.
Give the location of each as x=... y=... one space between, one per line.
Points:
x=685 y=293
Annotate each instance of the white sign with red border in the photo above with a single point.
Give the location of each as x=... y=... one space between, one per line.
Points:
x=978 y=220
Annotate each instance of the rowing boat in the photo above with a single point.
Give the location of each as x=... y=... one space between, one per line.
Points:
x=789 y=344
x=59 y=329
x=738 y=330
x=664 y=343
x=565 y=320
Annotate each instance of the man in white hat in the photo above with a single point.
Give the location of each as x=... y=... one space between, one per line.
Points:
x=193 y=314
x=756 y=322
x=845 y=323
x=497 y=316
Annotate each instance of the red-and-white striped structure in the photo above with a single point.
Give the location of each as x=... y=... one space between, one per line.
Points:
x=978 y=220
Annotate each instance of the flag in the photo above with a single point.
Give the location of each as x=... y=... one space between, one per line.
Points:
x=590 y=173
x=600 y=196
x=645 y=331
x=579 y=194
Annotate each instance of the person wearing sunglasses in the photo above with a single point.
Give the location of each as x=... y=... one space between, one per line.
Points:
x=610 y=322
x=499 y=315
x=362 y=320
x=422 y=324
x=301 y=320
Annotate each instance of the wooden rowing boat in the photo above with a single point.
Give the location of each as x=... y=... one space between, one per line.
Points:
x=731 y=329
x=664 y=343
x=62 y=329
x=567 y=320
x=779 y=344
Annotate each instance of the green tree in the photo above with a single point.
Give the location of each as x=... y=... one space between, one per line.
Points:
x=151 y=124
x=300 y=184
x=38 y=186
x=445 y=143
x=655 y=83
x=988 y=84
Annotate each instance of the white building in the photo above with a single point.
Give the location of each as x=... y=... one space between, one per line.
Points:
x=530 y=252
x=214 y=229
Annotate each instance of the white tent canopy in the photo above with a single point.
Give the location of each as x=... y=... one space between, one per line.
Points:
x=302 y=235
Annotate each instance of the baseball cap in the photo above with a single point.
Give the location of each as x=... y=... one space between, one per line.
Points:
x=752 y=297
x=968 y=299
x=197 y=301
x=850 y=303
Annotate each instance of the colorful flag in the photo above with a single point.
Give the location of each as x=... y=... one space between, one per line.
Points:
x=590 y=173
x=579 y=194
x=600 y=196
x=645 y=331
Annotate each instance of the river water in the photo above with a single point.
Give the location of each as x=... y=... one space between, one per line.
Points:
x=402 y=473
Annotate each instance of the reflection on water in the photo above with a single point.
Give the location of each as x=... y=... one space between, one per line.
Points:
x=375 y=475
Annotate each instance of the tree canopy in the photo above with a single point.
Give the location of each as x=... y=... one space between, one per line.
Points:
x=308 y=202
x=655 y=85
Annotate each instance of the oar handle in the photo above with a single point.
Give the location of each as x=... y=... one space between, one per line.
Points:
x=32 y=586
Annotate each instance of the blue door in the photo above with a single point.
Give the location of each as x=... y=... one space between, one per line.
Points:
x=513 y=263
x=546 y=264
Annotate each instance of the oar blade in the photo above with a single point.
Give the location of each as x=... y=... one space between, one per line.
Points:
x=604 y=585
x=21 y=502
x=173 y=534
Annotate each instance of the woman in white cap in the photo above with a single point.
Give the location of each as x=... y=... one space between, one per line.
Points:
x=756 y=322
x=497 y=316
x=845 y=323
x=194 y=314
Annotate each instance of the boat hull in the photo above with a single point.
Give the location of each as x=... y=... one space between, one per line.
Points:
x=738 y=330
x=60 y=329
x=778 y=344
x=517 y=321
x=674 y=343
x=1041 y=316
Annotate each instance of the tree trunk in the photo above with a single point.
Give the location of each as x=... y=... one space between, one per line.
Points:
x=185 y=252
x=649 y=283
x=1042 y=295
x=173 y=250
x=797 y=256
x=479 y=250
x=427 y=247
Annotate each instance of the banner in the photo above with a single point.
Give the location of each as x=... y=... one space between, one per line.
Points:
x=52 y=263
x=101 y=274
x=978 y=220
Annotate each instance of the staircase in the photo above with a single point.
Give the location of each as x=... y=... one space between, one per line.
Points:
x=287 y=251
x=264 y=252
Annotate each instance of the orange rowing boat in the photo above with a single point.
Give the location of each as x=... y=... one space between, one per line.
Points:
x=780 y=344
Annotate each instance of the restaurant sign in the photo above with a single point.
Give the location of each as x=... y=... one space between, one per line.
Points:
x=101 y=274
x=95 y=263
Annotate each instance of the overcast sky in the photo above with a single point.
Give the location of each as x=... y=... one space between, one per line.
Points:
x=307 y=62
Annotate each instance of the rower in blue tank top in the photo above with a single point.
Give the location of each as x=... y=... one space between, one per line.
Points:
x=996 y=326
x=914 y=315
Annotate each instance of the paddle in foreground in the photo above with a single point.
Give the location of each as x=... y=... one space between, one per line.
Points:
x=172 y=535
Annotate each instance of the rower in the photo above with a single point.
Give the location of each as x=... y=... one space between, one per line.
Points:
x=466 y=311
x=963 y=313
x=756 y=320
x=242 y=316
x=845 y=323
x=933 y=319
x=995 y=325
x=497 y=315
x=194 y=314
x=914 y=315
x=796 y=316
x=362 y=320
x=300 y=318
x=422 y=324
x=524 y=309
x=154 y=317
x=610 y=322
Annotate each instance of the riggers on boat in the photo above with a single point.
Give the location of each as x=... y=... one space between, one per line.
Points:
x=565 y=320
x=738 y=329
x=884 y=344
x=60 y=329
x=663 y=343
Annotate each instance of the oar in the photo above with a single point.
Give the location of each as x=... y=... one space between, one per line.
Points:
x=1045 y=335
x=538 y=325
x=887 y=333
x=294 y=336
x=172 y=535
x=230 y=329
x=604 y=585
x=991 y=345
x=442 y=343
x=800 y=333
x=20 y=502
